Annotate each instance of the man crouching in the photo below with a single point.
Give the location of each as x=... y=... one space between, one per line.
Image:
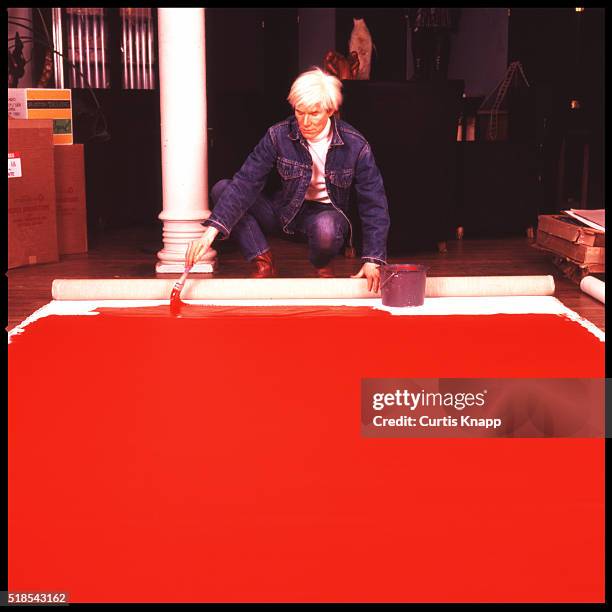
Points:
x=319 y=160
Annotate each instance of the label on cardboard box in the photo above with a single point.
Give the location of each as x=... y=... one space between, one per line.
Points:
x=43 y=103
x=17 y=104
x=14 y=165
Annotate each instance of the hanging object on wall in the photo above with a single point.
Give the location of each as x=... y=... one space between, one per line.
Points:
x=361 y=43
x=341 y=67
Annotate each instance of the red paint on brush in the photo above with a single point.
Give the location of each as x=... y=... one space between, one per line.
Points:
x=175 y=297
x=175 y=301
x=179 y=459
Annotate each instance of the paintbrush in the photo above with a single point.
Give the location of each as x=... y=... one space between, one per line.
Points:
x=175 y=296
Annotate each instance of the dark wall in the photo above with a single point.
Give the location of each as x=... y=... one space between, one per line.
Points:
x=234 y=82
x=562 y=52
x=281 y=53
x=317 y=35
x=228 y=33
x=122 y=157
x=479 y=49
x=558 y=46
x=252 y=58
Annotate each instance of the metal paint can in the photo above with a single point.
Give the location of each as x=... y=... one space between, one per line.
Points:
x=403 y=284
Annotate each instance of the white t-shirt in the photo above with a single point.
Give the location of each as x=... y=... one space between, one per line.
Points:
x=318 y=151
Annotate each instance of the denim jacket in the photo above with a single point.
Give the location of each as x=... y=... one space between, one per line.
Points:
x=349 y=164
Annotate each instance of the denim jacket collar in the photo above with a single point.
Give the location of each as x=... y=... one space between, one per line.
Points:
x=295 y=134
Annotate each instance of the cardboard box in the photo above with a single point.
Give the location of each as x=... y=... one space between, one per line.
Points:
x=571 y=229
x=70 y=199
x=579 y=253
x=39 y=103
x=32 y=223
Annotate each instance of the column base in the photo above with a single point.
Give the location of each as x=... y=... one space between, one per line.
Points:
x=202 y=267
x=177 y=235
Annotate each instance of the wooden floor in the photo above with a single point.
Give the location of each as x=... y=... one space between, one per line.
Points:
x=132 y=253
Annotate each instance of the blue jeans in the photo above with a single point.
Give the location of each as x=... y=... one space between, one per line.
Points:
x=323 y=226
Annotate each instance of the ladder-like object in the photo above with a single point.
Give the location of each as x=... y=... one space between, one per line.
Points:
x=500 y=92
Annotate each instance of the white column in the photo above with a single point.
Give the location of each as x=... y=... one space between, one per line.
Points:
x=184 y=142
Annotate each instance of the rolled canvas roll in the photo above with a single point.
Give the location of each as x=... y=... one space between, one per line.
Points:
x=474 y=286
x=594 y=287
x=289 y=288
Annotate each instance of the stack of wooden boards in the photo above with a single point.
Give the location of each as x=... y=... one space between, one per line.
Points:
x=578 y=249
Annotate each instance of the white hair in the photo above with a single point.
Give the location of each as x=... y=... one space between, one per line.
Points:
x=316 y=87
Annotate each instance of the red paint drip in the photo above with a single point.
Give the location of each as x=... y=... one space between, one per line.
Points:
x=257 y=485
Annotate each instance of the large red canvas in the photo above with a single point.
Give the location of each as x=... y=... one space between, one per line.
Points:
x=219 y=458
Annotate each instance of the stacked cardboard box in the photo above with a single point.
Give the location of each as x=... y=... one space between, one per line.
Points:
x=70 y=199
x=32 y=216
x=46 y=193
x=572 y=242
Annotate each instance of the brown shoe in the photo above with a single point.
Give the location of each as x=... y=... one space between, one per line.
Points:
x=264 y=266
x=326 y=272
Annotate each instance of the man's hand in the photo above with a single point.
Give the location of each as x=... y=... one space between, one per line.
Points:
x=198 y=248
x=371 y=271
